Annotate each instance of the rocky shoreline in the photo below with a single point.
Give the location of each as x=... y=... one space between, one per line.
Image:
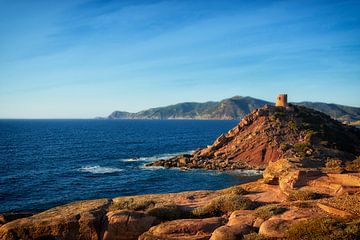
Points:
x=310 y=190
x=291 y=194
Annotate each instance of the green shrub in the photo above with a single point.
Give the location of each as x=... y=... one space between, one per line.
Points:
x=223 y=204
x=292 y=125
x=236 y=190
x=334 y=166
x=267 y=211
x=284 y=147
x=324 y=229
x=302 y=148
x=133 y=204
x=167 y=212
x=353 y=166
x=303 y=195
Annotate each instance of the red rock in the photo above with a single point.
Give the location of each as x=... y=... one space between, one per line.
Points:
x=79 y=220
x=194 y=229
x=127 y=225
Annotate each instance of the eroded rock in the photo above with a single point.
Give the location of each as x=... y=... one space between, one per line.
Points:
x=79 y=220
x=195 y=229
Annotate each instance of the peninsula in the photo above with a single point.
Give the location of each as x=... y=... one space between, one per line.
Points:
x=310 y=189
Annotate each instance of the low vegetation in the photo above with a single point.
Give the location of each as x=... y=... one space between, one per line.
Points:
x=223 y=204
x=324 y=228
x=353 y=166
x=349 y=203
x=267 y=211
x=255 y=236
x=334 y=166
x=236 y=190
x=168 y=212
x=137 y=204
x=302 y=149
x=303 y=195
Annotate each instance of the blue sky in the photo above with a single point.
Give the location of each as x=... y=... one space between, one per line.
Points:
x=80 y=59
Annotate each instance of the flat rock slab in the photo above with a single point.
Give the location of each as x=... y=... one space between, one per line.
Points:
x=79 y=220
x=194 y=229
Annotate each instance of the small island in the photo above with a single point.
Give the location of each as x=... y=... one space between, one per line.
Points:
x=310 y=189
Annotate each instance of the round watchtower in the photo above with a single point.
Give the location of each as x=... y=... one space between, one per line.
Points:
x=281 y=100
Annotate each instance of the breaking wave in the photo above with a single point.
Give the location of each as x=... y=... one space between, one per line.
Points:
x=100 y=170
x=155 y=157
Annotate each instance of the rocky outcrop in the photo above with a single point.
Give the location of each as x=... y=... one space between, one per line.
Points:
x=194 y=229
x=272 y=133
x=127 y=224
x=240 y=223
x=80 y=220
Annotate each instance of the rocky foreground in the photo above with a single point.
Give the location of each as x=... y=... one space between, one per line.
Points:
x=295 y=199
x=310 y=190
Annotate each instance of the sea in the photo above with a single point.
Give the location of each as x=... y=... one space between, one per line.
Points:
x=46 y=163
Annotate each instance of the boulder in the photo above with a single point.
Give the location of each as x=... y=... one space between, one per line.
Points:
x=127 y=224
x=275 y=170
x=240 y=223
x=274 y=228
x=194 y=229
x=79 y=220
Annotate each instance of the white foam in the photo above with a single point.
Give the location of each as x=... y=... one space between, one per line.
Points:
x=100 y=170
x=247 y=172
x=143 y=167
x=155 y=157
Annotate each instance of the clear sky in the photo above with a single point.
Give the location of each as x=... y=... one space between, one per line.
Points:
x=86 y=58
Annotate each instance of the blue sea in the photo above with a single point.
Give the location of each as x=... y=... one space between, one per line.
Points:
x=45 y=163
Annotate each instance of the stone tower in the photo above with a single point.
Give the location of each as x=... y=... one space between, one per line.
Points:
x=281 y=100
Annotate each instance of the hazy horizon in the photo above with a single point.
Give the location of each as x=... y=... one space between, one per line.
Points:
x=87 y=58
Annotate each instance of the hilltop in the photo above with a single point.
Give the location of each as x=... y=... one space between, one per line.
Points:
x=270 y=133
x=232 y=108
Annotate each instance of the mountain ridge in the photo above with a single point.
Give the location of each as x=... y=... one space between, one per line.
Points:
x=233 y=108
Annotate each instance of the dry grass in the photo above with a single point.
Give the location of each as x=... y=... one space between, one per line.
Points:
x=137 y=204
x=324 y=229
x=255 y=236
x=267 y=211
x=303 y=195
x=168 y=212
x=334 y=166
x=237 y=190
x=348 y=203
x=353 y=166
x=222 y=205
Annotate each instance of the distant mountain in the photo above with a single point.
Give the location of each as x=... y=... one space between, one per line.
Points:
x=340 y=112
x=232 y=108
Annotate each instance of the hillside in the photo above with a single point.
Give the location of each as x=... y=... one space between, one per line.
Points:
x=272 y=133
x=232 y=108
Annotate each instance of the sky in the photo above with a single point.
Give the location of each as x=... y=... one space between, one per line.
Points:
x=87 y=58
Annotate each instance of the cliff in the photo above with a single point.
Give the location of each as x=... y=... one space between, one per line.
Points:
x=272 y=133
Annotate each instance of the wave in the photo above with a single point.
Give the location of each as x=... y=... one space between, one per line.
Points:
x=247 y=172
x=100 y=170
x=155 y=157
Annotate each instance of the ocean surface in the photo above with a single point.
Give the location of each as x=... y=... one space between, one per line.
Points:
x=45 y=163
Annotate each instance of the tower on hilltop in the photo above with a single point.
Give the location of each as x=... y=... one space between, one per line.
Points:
x=281 y=100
